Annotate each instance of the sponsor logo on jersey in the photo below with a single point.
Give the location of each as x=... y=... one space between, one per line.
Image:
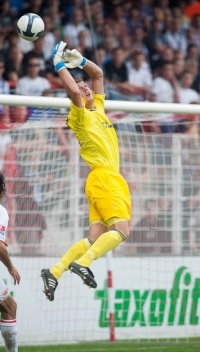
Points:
x=106 y=124
x=2 y=230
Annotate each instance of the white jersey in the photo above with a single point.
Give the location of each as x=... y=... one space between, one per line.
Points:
x=4 y=218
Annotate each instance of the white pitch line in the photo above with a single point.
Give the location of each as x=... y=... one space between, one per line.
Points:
x=137 y=348
x=118 y=349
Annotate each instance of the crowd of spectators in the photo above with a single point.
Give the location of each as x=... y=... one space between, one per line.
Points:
x=148 y=49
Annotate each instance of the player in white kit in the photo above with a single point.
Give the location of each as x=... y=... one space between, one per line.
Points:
x=8 y=306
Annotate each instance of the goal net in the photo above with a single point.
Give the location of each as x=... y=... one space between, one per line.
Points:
x=156 y=281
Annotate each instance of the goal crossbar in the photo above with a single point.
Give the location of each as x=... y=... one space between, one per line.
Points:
x=110 y=105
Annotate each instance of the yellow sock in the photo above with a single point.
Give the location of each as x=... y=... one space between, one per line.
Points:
x=107 y=241
x=75 y=252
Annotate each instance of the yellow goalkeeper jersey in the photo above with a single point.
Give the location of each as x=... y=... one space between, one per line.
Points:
x=96 y=135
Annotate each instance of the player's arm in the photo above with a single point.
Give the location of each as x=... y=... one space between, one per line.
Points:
x=67 y=80
x=72 y=58
x=71 y=87
x=5 y=259
x=96 y=75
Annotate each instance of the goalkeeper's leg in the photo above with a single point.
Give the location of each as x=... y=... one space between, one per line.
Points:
x=74 y=253
x=106 y=242
x=50 y=277
x=112 y=203
x=78 y=249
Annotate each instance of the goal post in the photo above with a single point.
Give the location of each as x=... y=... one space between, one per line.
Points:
x=110 y=105
x=149 y=287
x=151 y=107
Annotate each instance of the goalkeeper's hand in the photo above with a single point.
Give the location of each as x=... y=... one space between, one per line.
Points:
x=73 y=58
x=63 y=57
x=57 y=56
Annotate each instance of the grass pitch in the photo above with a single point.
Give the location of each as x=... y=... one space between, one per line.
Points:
x=107 y=347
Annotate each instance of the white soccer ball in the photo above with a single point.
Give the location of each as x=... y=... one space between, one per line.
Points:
x=30 y=27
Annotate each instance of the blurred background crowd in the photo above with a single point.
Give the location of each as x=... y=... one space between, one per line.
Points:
x=149 y=50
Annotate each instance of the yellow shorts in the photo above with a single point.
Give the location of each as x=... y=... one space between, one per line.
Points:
x=108 y=196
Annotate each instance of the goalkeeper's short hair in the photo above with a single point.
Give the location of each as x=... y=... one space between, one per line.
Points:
x=78 y=80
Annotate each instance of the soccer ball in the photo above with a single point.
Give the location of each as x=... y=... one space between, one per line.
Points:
x=30 y=27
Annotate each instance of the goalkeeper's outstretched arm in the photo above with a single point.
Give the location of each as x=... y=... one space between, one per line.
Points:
x=63 y=58
x=73 y=58
x=71 y=87
x=68 y=82
x=96 y=75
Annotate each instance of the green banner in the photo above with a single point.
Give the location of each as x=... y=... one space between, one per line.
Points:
x=154 y=307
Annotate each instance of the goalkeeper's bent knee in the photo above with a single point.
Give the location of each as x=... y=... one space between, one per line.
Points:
x=122 y=235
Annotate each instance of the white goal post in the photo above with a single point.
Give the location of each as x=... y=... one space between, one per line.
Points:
x=154 y=282
x=110 y=105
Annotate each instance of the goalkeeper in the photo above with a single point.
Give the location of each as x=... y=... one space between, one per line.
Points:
x=106 y=190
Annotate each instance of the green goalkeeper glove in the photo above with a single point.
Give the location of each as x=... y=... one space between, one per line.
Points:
x=73 y=58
